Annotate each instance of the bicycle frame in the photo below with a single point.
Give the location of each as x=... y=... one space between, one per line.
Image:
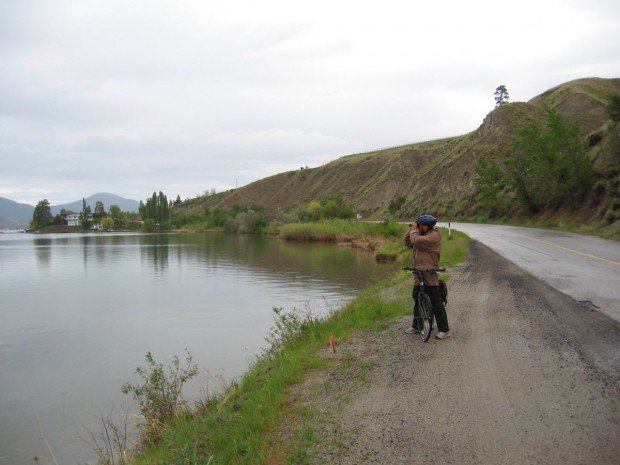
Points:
x=425 y=309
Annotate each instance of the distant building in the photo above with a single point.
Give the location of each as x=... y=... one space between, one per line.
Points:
x=73 y=219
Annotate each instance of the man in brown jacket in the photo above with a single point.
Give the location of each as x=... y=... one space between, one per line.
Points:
x=425 y=240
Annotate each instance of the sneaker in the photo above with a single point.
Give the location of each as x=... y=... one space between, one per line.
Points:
x=412 y=330
x=442 y=335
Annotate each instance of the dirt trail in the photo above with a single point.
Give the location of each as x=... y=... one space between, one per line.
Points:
x=518 y=383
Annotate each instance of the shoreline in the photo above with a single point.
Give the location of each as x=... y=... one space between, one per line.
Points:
x=244 y=422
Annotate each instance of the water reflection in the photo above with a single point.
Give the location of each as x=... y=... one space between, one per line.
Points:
x=43 y=252
x=156 y=250
x=261 y=254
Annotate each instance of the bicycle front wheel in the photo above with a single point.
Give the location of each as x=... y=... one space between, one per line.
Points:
x=426 y=316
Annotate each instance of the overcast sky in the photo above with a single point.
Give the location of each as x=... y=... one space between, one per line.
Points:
x=130 y=97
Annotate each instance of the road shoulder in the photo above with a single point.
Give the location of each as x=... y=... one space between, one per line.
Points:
x=529 y=376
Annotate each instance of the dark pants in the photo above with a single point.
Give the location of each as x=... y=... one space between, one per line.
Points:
x=439 y=310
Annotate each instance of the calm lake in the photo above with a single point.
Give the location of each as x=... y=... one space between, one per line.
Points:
x=79 y=312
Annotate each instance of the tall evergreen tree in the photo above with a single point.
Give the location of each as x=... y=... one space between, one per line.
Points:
x=99 y=210
x=85 y=215
x=156 y=208
x=163 y=209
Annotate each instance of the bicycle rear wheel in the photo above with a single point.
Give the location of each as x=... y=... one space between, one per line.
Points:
x=426 y=316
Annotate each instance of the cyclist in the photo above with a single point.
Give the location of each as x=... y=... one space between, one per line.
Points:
x=425 y=240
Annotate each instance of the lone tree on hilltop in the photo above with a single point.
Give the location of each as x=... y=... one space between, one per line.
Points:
x=501 y=95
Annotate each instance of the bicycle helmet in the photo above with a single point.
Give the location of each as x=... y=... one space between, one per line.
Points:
x=427 y=220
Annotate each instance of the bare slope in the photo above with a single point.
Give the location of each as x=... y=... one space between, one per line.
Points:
x=435 y=174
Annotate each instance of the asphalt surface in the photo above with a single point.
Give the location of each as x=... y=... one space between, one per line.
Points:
x=585 y=268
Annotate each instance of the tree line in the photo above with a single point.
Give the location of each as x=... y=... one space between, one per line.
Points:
x=154 y=212
x=42 y=216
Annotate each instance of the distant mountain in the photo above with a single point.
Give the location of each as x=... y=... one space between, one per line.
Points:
x=127 y=205
x=13 y=211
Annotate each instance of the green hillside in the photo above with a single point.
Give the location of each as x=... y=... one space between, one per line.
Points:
x=435 y=176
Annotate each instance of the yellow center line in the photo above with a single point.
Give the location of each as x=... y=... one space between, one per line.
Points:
x=573 y=250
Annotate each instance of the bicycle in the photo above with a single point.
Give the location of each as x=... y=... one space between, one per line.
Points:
x=425 y=307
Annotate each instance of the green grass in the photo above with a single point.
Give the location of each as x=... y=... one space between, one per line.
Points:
x=339 y=230
x=240 y=426
x=454 y=250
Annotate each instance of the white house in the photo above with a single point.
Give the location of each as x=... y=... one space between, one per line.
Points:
x=73 y=219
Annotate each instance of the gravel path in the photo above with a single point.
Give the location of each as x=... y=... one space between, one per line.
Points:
x=518 y=383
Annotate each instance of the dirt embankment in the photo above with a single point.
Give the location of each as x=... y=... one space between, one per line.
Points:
x=529 y=377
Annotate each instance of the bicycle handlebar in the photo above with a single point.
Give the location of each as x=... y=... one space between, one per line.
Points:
x=418 y=270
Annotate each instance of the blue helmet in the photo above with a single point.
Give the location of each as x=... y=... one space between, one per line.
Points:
x=427 y=220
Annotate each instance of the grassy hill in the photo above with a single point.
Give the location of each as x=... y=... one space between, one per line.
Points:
x=435 y=176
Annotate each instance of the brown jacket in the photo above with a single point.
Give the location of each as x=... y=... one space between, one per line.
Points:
x=426 y=252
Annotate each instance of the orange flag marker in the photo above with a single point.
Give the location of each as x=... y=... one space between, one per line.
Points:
x=332 y=343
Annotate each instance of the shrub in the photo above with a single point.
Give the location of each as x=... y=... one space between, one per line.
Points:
x=160 y=395
x=107 y=223
x=286 y=329
x=252 y=222
x=391 y=229
x=489 y=183
x=231 y=225
x=613 y=108
x=148 y=225
x=328 y=209
x=594 y=138
x=395 y=204
x=313 y=211
x=219 y=216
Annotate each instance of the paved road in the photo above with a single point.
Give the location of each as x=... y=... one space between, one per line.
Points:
x=584 y=267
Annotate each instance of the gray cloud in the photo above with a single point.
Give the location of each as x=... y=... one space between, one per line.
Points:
x=131 y=97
